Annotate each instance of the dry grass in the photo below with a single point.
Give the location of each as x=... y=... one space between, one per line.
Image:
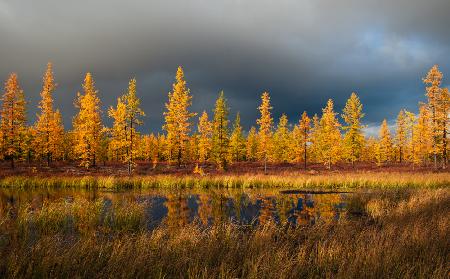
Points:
x=334 y=181
x=386 y=234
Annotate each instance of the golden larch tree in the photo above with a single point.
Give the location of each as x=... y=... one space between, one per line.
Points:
x=251 y=145
x=13 y=120
x=178 y=118
x=133 y=119
x=385 y=146
x=220 y=137
x=422 y=137
x=87 y=124
x=237 y=141
x=329 y=137
x=401 y=136
x=265 y=123
x=118 y=131
x=438 y=103
x=282 y=139
x=301 y=138
x=353 y=142
x=204 y=128
x=49 y=130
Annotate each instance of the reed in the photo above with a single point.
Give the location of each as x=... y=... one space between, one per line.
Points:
x=330 y=181
x=400 y=233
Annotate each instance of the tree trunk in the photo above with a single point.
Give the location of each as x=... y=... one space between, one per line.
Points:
x=265 y=164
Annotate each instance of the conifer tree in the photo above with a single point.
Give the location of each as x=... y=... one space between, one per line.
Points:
x=178 y=118
x=13 y=120
x=237 y=141
x=282 y=141
x=315 y=137
x=118 y=131
x=410 y=120
x=265 y=123
x=220 y=140
x=49 y=131
x=329 y=137
x=303 y=136
x=133 y=115
x=422 y=138
x=88 y=129
x=204 y=142
x=401 y=136
x=438 y=103
x=384 y=150
x=353 y=138
x=251 y=145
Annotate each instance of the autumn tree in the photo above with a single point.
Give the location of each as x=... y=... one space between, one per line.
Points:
x=438 y=103
x=422 y=138
x=265 y=123
x=49 y=130
x=315 y=137
x=178 y=118
x=204 y=142
x=133 y=119
x=301 y=138
x=118 y=131
x=401 y=135
x=87 y=124
x=237 y=141
x=329 y=137
x=384 y=148
x=220 y=140
x=353 y=138
x=282 y=141
x=251 y=145
x=13 y=120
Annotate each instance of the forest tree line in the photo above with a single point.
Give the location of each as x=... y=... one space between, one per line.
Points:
x=329 y=138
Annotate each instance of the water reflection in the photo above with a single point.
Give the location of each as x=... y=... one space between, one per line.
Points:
x=181 y=207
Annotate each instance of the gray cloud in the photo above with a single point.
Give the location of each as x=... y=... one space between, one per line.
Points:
x=302 y=52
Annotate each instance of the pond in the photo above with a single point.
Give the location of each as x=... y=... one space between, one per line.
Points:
x=177 y=207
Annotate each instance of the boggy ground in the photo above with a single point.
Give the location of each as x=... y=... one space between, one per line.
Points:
x=397 y=233
x=241 y=168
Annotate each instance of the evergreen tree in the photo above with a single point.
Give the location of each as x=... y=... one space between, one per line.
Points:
x=220 y=140
x=178 y=119
x=87 y=125
x=353 y=138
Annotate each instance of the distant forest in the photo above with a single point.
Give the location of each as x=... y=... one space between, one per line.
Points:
x=201 y=139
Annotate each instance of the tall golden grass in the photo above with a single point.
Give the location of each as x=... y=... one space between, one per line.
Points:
x=304 y=181
x=400 y=233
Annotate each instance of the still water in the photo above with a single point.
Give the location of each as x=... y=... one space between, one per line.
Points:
x=181 y=207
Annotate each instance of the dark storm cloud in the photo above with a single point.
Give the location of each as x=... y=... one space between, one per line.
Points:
x=302 y=52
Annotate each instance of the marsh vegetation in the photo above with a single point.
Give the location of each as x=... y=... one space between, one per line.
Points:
x=390 y=233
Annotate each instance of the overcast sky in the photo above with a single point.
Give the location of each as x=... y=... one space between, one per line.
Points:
x=301 y=51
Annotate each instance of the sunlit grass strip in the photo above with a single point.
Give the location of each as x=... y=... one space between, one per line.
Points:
x=302 y=181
